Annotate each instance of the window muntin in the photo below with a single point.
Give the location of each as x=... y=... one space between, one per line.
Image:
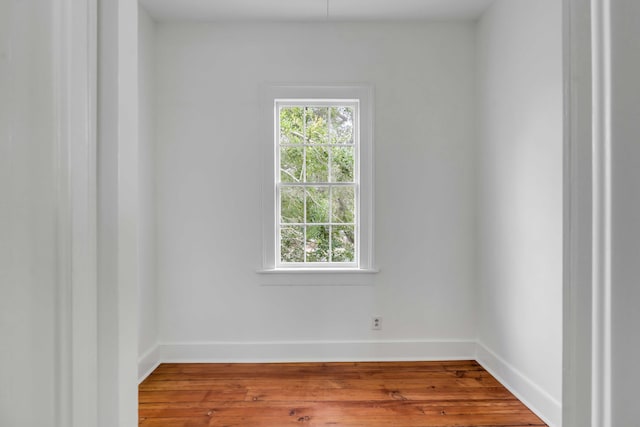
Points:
x=317 y=183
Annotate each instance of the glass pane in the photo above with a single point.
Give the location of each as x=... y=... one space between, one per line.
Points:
x=292 y=244
x=317 y=125
x=292 y=204
x=342 y=164
x=291 y=159
x=291 y=125
x=317 y=204
x=341 y=125
x=342 y=243
x=317 y=246
x=317 y=164
x=342 y=204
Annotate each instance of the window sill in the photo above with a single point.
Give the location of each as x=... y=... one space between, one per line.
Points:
x=318 y=276
x=318 y=271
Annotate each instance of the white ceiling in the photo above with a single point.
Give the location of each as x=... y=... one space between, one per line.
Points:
x=315 y=10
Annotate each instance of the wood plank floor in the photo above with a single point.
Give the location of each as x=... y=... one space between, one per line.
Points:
x=426 y=394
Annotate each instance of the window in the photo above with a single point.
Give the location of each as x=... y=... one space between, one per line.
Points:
x=317 y=184
x=318 y=207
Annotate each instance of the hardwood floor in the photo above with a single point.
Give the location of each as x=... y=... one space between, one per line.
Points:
x=426 y=394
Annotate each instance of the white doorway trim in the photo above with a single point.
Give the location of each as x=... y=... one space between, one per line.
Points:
x=601 y=315
x=118 y=215
x=587 y=235
x=95 y=89
x=576 y=400
x=74 y=81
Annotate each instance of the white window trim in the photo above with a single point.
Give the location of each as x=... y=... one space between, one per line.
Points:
x=362 y=93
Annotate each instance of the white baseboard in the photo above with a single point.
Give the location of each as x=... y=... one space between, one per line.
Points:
x=148 y=362
x=316 y=351
x=533 y=396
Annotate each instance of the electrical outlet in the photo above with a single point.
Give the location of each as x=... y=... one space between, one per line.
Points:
x=376 y=323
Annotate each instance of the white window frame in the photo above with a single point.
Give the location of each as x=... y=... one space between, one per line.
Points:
x=355 y=105
x=363 y=95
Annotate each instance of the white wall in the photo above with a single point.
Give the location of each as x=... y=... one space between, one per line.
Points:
x=625 y=211
x=28 y=273
x=209 y=171
x=147 y=303
x=519 y=197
